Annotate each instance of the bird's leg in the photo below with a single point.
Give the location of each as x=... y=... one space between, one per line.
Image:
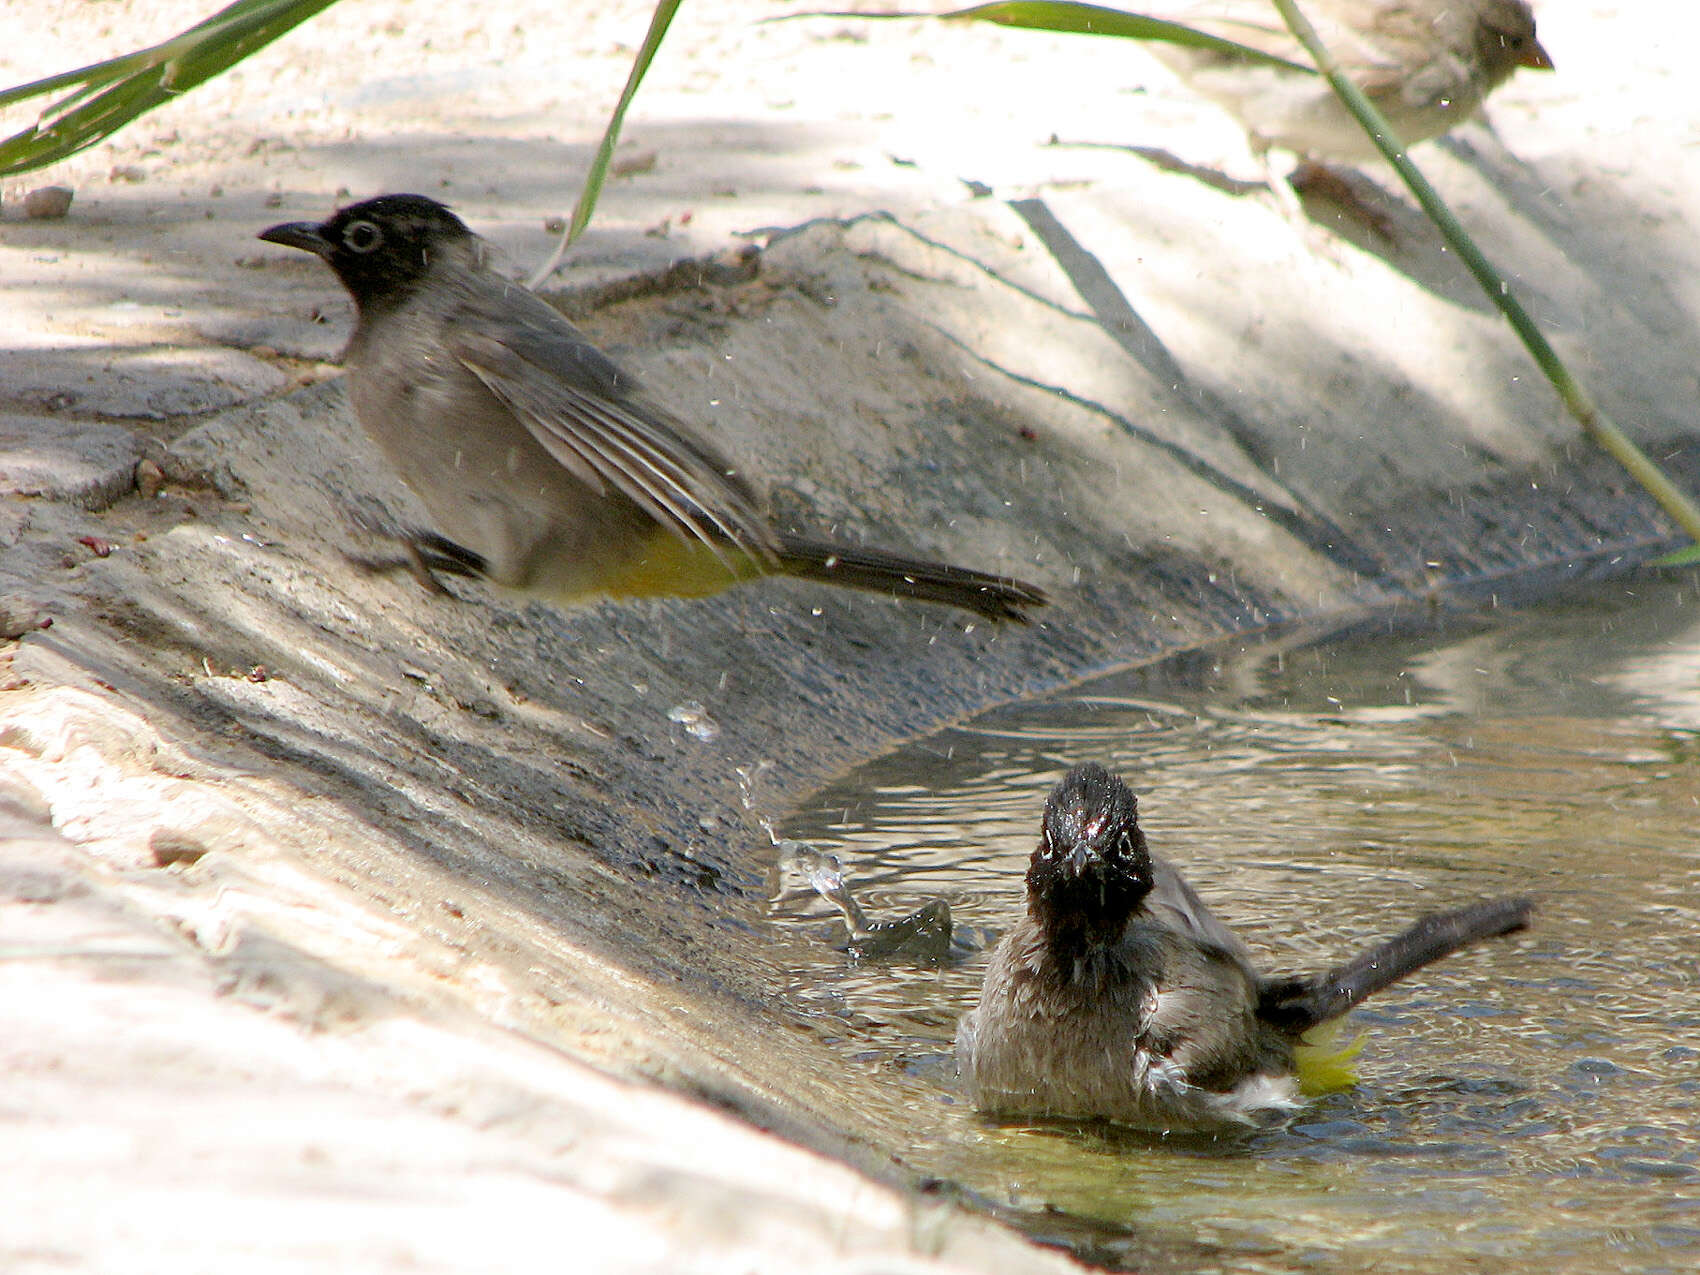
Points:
x=421 y=570
x=423 y=555
x=1286 y=196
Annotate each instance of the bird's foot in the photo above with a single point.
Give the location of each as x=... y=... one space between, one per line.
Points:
x=423 y=553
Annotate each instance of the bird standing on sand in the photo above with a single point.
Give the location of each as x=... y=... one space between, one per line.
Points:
x=541 y=464
x=1428 y=65
x=1119 y=995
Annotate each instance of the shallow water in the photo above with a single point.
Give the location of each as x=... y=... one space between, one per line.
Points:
x=1531 y=1103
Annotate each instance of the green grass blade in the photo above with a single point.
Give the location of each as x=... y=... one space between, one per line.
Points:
x=87 y=76
x=1068 y=18
x=1579 y=402
x=207 y=58
x=597 y=174
x=110 y=94
x=240 y=15
x=1681 y=558
x=96 y=117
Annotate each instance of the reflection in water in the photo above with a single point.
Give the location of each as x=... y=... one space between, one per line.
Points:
x=1531 y=1102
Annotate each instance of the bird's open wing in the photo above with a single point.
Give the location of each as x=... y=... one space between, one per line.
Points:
x=1177 y=904
x=585 y=413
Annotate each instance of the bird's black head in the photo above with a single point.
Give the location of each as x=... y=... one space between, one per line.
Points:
x=1505 y=38
x=1092 y=868
x=381 y=248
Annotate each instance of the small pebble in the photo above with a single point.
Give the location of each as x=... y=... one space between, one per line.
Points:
x=127 y=173
x=633 y=164
x=149 y=478
x=166 y=847
x=695 y=719
x=19 y=616
x=47 y=203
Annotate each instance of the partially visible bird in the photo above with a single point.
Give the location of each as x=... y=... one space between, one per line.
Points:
x=1120 y=995
x=1427 y=64
x=543 y=466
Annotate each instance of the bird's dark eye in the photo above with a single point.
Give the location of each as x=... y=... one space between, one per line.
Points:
x=362 y=237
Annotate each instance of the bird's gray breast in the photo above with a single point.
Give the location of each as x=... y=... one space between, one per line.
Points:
x=1156 y=1031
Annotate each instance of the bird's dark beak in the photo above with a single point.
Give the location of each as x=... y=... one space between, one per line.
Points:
x=1534 y=57
x=298 y=234
x=1080 y=857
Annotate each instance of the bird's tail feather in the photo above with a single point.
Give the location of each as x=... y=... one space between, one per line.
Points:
x=1325 y=1059
x=1299 y=1003
x=995 y=597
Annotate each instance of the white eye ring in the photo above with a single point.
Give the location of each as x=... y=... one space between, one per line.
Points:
x=362 y=237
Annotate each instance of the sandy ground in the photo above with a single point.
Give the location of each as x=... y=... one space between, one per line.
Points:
x=340 y=928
